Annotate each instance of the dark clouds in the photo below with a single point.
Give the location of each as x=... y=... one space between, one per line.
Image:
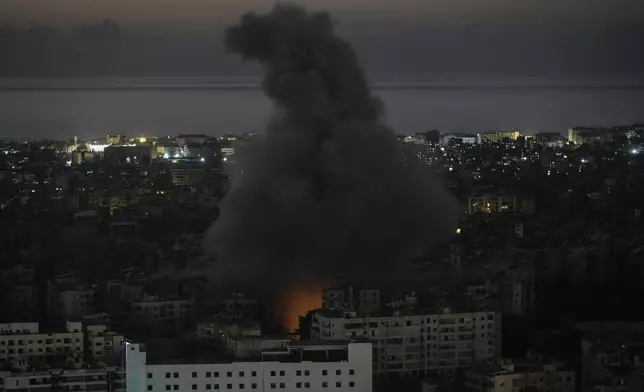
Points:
x=106 y=49
x=451 y=37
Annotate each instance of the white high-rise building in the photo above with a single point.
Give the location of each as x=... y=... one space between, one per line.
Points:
x=408 y=343
x=312 y=366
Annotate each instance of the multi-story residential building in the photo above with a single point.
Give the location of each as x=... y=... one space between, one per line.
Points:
x=101 y=343
x=409 y=342
x=514 y=288
x=160 y=314
x=313 y=366
x=67 y=300
x=512 y=377
x=24 y=342
x=187 y=175
x=612 y=357
x=363 y=301
x=497 y=136
x=584 y=135
x=18 y=300
x=95 y=379
x=500 y=203
x=220 y=326
x=114 y=199
x=549 y=139
x=239 y=305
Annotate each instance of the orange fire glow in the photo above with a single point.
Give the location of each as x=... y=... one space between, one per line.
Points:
x=297 y=302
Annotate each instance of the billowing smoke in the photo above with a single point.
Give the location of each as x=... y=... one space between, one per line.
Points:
x=324 y=194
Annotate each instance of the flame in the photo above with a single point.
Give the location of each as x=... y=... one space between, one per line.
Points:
x=297 y=302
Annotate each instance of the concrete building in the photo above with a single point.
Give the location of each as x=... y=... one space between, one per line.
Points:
x=584 y=135
x=514 y=287
x=239 y=305
x=362 y=301
x=95 y=379
x=19 y=300
x=612 y=356
x=500 y=203
x=187 y=176
x=219 y=326
x=497 y=136
x=22 y=342
x=80 y=157
x=333 y=366
x=160 y=314
x=186 y=139
x=102 y=343
x=70 y=300
x=166 y=151
x=126 y=153
x=446 y=139
x=513 y=377
x=412 y=343
x=549 y=139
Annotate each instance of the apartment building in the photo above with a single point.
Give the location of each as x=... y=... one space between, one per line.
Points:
x=363 y=301
x=417 y=342
x=497 y=136
x=22 y=344
x=67 y=300
x=512 y=377
x=18 y=294
x=18 y=300
x=102 y=343
x=160 y=313
x=491 y=203
x=612 y=356
x=95 y=379
x=313 y=366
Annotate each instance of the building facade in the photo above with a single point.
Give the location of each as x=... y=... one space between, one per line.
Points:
x=24 y=345
x=97 y=379
x=333 y=366
x=497 y=136
x=521 y=377
x=415 y=344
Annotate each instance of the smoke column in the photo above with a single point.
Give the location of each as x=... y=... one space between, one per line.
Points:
x=325 y=194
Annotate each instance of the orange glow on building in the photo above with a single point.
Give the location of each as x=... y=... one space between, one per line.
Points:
x=297 y=302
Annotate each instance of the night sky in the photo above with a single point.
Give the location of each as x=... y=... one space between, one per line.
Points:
x=591 y=38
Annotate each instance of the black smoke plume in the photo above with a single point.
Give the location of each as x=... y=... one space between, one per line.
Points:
x=325 y=193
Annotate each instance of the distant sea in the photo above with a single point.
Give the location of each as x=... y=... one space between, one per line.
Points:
x=63 y=108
